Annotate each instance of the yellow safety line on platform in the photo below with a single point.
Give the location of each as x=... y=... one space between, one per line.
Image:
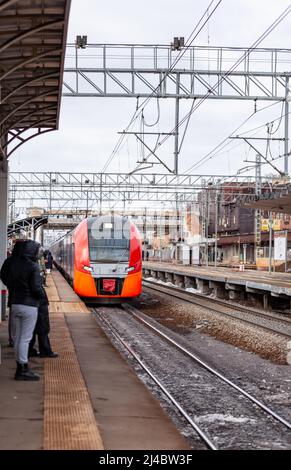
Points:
x=51 y=290
x=65 y=291
x=69 y=421
x=68 y=307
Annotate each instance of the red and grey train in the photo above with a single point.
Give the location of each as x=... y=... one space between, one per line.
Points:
x=102 y=258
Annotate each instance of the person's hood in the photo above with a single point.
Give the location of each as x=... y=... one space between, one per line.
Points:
x=29 y=249
x=17 y=248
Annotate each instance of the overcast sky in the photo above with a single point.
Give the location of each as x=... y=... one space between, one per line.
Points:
x=88 y=127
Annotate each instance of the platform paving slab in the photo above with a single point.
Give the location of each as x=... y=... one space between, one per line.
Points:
x=21 y=403
x=129 y=416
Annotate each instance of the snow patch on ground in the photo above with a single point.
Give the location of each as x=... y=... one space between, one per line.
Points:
x=193 y=291
x=212 y=418
x=170 y=284
x=158 y=281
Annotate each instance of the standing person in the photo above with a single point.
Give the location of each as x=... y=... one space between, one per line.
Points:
x=49 y=262
x=4 y=277
x=42 y=329
x=42 y=268
x=25 y=289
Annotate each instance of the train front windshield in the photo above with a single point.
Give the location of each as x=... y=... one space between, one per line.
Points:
x=109 y=240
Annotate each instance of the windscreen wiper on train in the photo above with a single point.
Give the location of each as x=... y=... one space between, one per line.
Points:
x=119 y=261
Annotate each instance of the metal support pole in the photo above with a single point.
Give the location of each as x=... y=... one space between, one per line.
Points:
x=38 y=235
x=77 y=72
x=160 y=235
x=270 y=240
x=258 y=189
x=101 y=194
x=286 y=142
x=145 y=234
x=32 y=230
x=177 y=228
x=50 y=201
x=12 y=204
x=41 y=236
x=203 y=222
x=3 y=228
x=177 y=112
x=245 y=253
x=207 y=227
x=286 y=251
x=87 y=203
x=216 y=225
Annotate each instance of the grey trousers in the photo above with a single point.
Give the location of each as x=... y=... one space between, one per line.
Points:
x=23 y=322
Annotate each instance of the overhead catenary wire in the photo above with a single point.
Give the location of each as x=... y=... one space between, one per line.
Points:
x=266 y=123
x=207 y=13
x=247 y=169
x=218 y=149
x=117 y=146
x=186 y=127
x=246 y=132
x=263 y=36
x=272 y=131
x=158 y=116
x=226 y=142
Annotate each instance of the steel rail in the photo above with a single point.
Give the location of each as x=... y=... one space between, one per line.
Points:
x=224 y=303
x=199 y=431
x=261 y=405
x=192 y=298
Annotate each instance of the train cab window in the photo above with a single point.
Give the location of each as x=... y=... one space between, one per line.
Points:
x=109 y=250
x=109 y=242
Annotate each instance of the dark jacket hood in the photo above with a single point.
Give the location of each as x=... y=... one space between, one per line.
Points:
x=29 y=249
x=17 y=248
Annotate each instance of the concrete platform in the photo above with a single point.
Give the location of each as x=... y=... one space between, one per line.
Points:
x=21 y=403
x=129 y=417
x=224 y=282
x=88 y=398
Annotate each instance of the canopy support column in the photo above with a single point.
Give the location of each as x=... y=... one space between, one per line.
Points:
x=3 y=228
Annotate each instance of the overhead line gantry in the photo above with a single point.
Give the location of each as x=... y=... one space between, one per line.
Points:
x=153 y=71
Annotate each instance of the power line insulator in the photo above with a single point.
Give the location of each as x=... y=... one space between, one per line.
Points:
x=81 y=42
x=178 y=43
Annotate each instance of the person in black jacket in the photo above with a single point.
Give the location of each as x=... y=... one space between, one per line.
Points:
x=41 y=330
x=25 y=291
x=49 y=261
x=4 y=277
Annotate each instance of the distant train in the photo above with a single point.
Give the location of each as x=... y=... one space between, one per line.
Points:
x=102 y=258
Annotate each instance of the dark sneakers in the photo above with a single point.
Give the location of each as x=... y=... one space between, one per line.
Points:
x=33 y=353
x=50 y=355
x=24 y=373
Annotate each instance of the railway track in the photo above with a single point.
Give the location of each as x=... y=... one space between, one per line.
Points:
x=209 y=444
x=163 y=333
x=275 y=323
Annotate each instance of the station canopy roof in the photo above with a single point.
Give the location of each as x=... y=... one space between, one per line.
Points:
x=275 y=203
x=32 y=50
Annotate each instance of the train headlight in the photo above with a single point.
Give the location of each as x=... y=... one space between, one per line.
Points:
x=88 y=269
x=131 y=268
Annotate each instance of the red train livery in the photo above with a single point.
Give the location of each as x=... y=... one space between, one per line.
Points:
x=102 y=258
